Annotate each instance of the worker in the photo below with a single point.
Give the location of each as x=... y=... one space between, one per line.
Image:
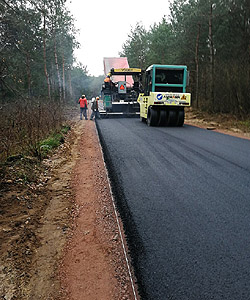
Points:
x=107 y=81
x=94 y=107
x=83 y=107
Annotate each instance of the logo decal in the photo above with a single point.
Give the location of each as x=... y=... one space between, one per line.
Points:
x=159 y=97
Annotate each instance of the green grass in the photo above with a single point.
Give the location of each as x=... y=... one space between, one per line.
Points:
x=43 y=148
x=53 y=141
x=245 y=123
x=65 y=129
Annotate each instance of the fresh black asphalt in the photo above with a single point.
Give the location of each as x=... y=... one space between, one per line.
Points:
x=184 y=196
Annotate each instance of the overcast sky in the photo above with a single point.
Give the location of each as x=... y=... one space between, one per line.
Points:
x=104 y=26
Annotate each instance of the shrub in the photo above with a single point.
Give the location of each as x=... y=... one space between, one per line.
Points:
x=50 y=143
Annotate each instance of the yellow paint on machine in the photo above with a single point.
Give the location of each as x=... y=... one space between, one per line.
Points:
x=127 y=70
x=162 y=99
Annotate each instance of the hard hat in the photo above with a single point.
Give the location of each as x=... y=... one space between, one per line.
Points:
x=83 y=96
x=97 y=98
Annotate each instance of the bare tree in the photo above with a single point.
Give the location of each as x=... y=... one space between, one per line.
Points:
x=44 y=54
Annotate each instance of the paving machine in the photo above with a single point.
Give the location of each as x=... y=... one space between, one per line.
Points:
x=164 y=96
x=121 y=89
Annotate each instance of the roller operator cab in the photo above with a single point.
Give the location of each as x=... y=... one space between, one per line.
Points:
x=164 y=95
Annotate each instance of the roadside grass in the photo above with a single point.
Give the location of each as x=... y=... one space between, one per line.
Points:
x=65 y=129
x=24 y=168
x=224 y=121
x=245 y=124
x=53 y=141
x=42 y=148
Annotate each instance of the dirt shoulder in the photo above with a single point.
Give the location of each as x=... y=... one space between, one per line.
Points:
x=58 y=231
x=223 y=123
x=93 y=265
x=36 y=205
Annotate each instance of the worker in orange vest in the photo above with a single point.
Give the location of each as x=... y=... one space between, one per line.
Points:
x=107 y=81
x=83 y=107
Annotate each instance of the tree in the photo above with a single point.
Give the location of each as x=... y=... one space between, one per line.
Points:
x=136 y=47
x=39 y=37
x=160 y=43
x=221 y=31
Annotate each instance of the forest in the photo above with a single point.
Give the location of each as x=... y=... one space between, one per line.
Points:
x=211 y=37
x=39 y=74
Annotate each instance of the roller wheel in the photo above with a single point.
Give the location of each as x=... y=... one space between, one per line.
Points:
x=172 y=118
x=162 y=118
x=181 y=117
x=152 y=119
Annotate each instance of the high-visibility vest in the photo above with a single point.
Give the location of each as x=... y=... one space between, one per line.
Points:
x=107 y=79
x=83 y=102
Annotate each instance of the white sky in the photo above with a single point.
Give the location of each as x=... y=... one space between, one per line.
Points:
x=104 y=26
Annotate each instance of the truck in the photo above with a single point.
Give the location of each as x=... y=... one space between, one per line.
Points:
x=164 y=96
x=120 y=94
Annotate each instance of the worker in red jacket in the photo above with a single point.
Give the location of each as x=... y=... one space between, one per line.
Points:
x=83 y=107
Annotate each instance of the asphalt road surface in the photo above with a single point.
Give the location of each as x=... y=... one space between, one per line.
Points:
x=184 y=196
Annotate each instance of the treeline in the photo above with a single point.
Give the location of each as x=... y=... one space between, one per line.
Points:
x=84 y=83
x=37 y=44
x=211 y=37
x=38 y=72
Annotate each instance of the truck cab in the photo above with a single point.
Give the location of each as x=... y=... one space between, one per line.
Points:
x=164 y=95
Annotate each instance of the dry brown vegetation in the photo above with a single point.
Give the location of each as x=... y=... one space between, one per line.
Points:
x=24 y=124
x=226 y=123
